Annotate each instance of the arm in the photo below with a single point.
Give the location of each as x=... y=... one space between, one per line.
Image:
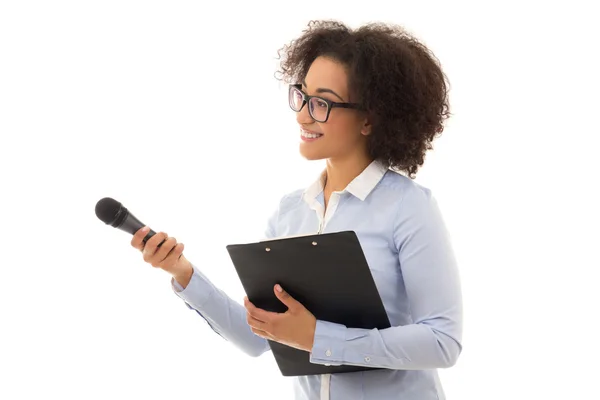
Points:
x=430 y=274
x=224 y=315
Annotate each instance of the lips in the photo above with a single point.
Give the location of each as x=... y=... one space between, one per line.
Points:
x=309 y=135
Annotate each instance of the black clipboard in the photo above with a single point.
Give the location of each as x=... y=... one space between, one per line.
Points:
x=328 y=273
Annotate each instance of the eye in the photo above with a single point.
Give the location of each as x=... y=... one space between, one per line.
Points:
x=321 y=104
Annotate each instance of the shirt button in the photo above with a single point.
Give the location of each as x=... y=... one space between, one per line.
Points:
x=328 y=353
x=367 y=359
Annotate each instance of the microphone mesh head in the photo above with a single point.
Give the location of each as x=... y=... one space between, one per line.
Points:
x=107 y=210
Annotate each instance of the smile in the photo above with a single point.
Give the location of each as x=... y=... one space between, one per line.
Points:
x=309 y=136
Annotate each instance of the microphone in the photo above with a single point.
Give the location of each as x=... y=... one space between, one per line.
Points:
x=113 y=213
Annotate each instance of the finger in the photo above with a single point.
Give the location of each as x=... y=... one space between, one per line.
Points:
x=258 y=313
x=256 y=324
x=165 y=248
x=286 y=299
x=173 y=256
x=152 y=244
x=138 y=238
x=263 y=334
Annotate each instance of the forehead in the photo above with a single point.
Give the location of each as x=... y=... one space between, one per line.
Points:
x=327 y=73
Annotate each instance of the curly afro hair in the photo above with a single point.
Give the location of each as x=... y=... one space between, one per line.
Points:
x=397 y=79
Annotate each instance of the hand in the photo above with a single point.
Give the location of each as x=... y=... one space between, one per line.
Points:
x=162 y=251
x=294 y=328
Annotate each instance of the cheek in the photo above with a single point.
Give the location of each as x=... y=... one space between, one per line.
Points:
x=342 y=129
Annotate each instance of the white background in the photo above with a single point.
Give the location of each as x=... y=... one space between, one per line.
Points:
x=172 y=109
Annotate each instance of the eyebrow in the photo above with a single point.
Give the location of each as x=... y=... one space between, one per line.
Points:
x=324 y=90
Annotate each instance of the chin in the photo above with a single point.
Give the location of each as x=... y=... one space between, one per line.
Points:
x=312 y=156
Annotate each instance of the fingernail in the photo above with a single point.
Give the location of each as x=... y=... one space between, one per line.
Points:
x=145 y=229
x=278 y=288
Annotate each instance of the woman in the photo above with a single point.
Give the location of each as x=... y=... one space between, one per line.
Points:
x=369 y=102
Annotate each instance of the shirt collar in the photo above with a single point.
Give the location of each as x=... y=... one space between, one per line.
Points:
x=360 y=187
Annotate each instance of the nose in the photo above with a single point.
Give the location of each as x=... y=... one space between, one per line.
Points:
x=303 y=116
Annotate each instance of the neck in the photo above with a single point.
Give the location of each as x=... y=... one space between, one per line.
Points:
x=340 y=172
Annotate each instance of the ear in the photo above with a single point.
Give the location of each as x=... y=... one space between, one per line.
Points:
x=367 y=126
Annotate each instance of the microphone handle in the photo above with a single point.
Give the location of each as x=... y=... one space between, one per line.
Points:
x=149 y=235
x=131 y=225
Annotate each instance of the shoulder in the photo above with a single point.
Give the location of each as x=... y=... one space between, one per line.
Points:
x=289 y=201
x=415 y=207
x=286 y=203
x=404 y=190
x=416 y=211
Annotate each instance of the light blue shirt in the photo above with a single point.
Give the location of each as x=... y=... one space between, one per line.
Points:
x=406 y=244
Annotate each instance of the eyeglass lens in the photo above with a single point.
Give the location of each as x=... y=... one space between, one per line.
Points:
x=316 y=107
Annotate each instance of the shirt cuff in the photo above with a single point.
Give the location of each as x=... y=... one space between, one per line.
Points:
x=176 y=286
x=329 y=342
x=197 y=292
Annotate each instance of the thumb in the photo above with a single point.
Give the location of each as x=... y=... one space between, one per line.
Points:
x=286 y=299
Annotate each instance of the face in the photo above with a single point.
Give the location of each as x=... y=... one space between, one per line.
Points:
x=344 y=134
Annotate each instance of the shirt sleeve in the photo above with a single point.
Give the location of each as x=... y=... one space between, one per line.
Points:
x=432 y=283
x=224 y=315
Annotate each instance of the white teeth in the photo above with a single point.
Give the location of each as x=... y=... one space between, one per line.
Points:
x=310 y=135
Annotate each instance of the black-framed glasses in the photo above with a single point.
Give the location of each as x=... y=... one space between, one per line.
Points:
x=318 y=107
